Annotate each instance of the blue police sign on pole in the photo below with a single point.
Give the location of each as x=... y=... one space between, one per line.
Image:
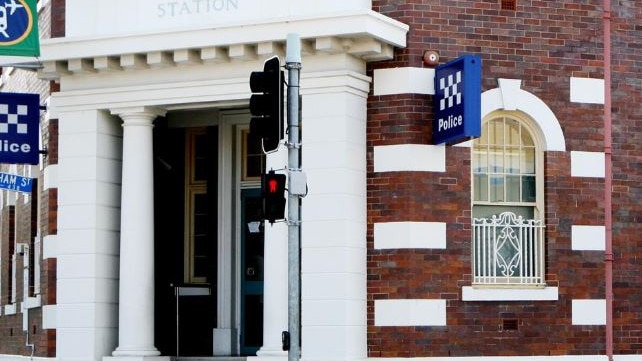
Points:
x=16 y=183
x=457 y=100
x=19 y=128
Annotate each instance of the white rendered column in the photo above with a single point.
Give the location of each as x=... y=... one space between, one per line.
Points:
x=136 y=290
x=333 y=228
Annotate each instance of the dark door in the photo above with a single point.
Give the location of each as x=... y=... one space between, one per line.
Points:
x=186 y=222
x=252 y=243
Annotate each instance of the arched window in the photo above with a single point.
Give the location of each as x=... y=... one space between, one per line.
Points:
x=507 y=167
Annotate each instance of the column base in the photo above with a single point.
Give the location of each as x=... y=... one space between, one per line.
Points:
x=223 y=341
x=136 y=358
x=270 y=355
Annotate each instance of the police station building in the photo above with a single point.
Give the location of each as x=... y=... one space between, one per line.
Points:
x=488 y=240
x=158 y=181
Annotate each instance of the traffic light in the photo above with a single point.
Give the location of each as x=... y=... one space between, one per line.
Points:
x=273 y=193
x=266 y=105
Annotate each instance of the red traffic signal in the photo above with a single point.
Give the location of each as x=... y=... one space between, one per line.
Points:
x=273 y=194
x=266 y=104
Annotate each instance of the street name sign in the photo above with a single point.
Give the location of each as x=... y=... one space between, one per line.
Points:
x=16 y=183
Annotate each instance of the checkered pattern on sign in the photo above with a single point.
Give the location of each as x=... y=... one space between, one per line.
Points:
x=450 y=87
x=10 y=120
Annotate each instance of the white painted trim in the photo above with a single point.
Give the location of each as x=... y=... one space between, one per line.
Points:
x=410 y=157
x=627 y=357
x=469 y=293
x=31 y=302
x=509 y=96
x=10 y=309
x=512 y=358
x=50 y=177
x=49 y=248
x=587 y=164
x=410 y=312
x=588 y=238
x=359 y=23
x=587 y=90
x=421 y=235
x=25 y=358
x=589 y=312
x=404 y=81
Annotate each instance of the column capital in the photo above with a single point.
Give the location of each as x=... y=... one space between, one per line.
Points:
x=336 y=81
x=148 y=112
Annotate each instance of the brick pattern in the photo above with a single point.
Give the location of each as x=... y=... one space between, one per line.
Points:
x=18 y=223
x=543 y=43
x=57 y=18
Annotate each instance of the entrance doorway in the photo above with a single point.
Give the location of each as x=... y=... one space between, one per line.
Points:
x=252 y=243
x=208 y=244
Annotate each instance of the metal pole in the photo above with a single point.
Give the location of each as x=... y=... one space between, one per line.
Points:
x=293 y=65
x=608 y=181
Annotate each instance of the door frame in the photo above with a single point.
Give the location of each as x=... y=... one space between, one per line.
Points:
x=231 y=126
x=247 y=287
x=231 y=123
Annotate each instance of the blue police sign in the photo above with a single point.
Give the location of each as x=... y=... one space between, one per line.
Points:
x=457 y=100
x=19 y=128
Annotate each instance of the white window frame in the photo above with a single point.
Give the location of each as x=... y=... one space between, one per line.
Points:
x=192 y=189
x=519 y=240
x=509 y=96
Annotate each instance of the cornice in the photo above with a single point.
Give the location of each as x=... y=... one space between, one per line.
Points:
x=367 y=35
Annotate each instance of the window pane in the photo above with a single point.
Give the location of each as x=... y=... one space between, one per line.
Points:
x=200 y=266
x=527 y=140
x=200 y=157
x=480 y=189
x=496 y=160
x=512 y=160
x=496 y=188
x=200 y=245
x=496 y=132
x=483 y=139
x=480 y=163
x=512 y=132
x=253 y=157
x=489 y=211
x=528 y=160
x=254 y=166
x=512 y=188
x=528 y=189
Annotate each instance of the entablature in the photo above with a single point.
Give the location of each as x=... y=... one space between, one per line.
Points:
x=367 y=35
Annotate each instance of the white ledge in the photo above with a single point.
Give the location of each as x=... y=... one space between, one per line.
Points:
x=470 y=293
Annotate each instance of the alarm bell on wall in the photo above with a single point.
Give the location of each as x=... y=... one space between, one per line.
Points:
x=431 y=58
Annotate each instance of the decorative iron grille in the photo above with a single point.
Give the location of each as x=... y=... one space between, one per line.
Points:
x=508 y=250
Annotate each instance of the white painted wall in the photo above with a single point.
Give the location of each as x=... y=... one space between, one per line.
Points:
x=111 y=17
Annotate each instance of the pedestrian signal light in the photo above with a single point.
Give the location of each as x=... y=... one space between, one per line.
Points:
x=273 y=194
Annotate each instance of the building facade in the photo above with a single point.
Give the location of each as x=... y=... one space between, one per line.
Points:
x=27 y=276
x=149 y=239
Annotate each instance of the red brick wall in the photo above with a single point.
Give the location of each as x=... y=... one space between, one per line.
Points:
x=543 y=43
x=25 y=227
x=57 y=18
